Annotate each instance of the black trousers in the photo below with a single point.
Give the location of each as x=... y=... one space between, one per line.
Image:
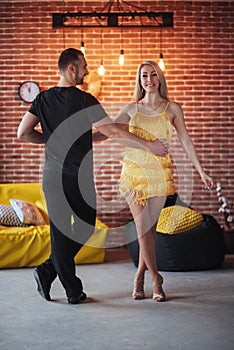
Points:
x=71 y=206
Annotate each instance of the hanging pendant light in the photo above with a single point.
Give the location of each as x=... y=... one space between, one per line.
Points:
x=101 y=68
x=121 y=56
x=82 y=47
x=82 y=44
x=161 y=61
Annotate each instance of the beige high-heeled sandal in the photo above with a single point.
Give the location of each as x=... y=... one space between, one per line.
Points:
x=138 y=290
x=161 y=295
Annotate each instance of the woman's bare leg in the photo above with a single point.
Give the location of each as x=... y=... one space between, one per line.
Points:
x=138 y=290
x=154 y=206
x=145 y=219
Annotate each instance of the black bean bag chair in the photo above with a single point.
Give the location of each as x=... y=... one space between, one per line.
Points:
x=200 y=248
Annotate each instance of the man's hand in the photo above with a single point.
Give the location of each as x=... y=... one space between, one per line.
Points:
x=26 y=130
x=159 y=147
x=114 y=131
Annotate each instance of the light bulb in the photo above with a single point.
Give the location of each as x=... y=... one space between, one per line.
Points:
x=121 y=58
x=101 y=69
x=161 y=62
x=82 y=47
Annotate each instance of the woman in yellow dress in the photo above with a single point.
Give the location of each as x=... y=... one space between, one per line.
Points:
x=146 y=179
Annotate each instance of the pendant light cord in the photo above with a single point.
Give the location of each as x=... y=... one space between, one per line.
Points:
x=64 y=38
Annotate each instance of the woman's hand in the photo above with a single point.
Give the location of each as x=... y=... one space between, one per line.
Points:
x=207 y=180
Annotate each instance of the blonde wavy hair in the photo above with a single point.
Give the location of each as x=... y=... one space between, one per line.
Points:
x=139 y=92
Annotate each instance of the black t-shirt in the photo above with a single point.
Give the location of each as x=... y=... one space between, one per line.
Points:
x=66 y=115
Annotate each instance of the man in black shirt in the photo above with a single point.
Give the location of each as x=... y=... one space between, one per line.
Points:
x=66 y=115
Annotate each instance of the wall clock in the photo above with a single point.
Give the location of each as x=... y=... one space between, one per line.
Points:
x=28 y=90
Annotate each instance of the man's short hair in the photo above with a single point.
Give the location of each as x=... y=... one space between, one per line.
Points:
x=68 y=56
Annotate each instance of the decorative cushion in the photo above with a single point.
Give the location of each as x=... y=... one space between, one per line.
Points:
x=27 y=212
x=8 y=217
x=175 y=219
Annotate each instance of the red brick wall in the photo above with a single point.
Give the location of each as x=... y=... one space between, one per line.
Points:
x=198 y=54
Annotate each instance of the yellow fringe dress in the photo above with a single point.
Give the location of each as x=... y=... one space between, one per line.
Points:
x=143 y=174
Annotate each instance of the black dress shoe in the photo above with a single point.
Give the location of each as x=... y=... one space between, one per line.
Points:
x=44 y=278
x=77 y=300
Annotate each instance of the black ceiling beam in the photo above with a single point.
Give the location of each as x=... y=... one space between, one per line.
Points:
x=111 y=19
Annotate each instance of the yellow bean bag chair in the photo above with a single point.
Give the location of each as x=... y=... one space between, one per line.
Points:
x=30 y=245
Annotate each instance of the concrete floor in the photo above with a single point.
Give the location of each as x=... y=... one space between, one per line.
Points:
x=199 y=313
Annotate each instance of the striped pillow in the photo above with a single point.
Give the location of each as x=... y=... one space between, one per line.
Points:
x=8 y=217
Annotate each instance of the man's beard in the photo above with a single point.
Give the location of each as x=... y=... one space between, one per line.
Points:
x=79 y=81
